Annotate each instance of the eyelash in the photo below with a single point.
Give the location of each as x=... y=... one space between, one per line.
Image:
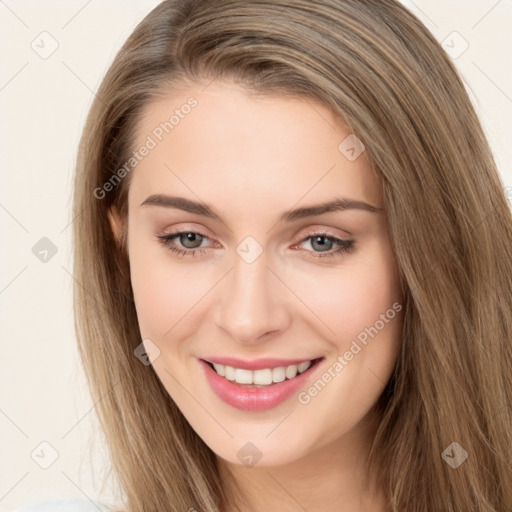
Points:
x=344 y=246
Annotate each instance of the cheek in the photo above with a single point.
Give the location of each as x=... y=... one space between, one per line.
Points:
x=364 y=309
x=157 y=285
x=170 y=294
x=371 y=324
x=352 y=297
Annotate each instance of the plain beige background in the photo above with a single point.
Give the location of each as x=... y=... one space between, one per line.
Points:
x=44 y=98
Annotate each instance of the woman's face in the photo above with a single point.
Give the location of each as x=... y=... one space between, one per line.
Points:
x=266 y=278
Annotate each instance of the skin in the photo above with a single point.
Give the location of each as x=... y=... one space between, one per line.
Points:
x=251 y=158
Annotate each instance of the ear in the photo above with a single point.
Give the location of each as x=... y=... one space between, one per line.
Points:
x=121 y=259
x=115 y=223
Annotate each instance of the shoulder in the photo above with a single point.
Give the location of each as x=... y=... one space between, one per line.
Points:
x=61 y=504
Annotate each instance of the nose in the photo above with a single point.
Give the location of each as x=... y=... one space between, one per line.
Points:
x=253 y=302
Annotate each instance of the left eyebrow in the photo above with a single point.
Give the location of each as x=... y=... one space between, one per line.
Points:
x=338 y=204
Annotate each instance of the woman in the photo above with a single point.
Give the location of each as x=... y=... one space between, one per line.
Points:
x=293 y=254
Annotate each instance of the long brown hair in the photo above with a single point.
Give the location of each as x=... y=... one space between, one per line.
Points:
x=377 y=67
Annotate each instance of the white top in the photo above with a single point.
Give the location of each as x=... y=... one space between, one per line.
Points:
x=63 y=504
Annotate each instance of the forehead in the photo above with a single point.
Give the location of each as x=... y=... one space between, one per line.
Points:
x=224 y=144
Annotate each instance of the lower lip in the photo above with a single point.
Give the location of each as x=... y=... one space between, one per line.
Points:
x=255 y=399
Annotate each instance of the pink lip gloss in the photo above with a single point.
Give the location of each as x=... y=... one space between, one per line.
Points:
x=254 y=398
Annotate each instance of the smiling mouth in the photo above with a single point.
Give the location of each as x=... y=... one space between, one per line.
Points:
x=262 y=378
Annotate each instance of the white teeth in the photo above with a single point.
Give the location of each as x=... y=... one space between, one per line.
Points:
x=302 y=367
x=291 y=371
x=243 y=376
x=279 y=374
x=219 y=368
x=230 y=372
x=261 y=377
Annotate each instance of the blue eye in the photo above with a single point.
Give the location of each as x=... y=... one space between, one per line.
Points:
x=184 y=237
x=191 y=241
x=332 y=241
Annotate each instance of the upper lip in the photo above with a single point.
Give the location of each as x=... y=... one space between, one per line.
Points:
x=256 y=364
